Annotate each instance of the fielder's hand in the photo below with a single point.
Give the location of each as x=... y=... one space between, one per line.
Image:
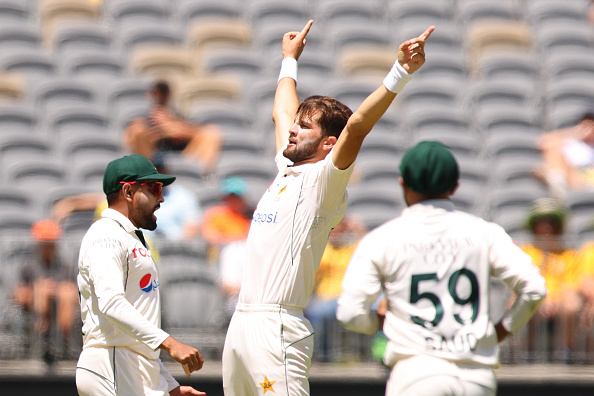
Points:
x=186 y=390
x=184 y=354
x=293 y=42
x=411 y=53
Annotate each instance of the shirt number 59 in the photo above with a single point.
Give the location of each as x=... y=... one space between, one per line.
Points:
x=472 y=299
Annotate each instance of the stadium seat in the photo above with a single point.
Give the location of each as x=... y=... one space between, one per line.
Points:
x=544 y=11
x=186 y=170
x=495 y=117
x=82 y=36
x=576 y=91
x=79 y=146
x=131 y=12
x=463 y=142
x=17 y=200
x=508 y=63
x=12 y=11
x=424 y=12
x=20 y=35
x=55 y=12
x=360 y=34
x=355 y=61
x=569 y=64
x=375 y=202
x=565 y=115
x=16 y=224
x=33 y=65
x=89 y=170
x=77 y=119
x=63 y=91
x=189 y=11
x=351 y=91
x=332 y=12
x=233 y=117
x=430 y=92
x=127 y=91
x=172 y=63
x=478 y=11
x=192 y=284
x=37 y=171
x=515 y=169
x=18 y=118
x=434 y=117
x=504 y=91
x=207 y=89
x=261 y=12
x=564 y=36
x=11 y=88
x=499 y=35
x=244 y=63
x=219 y=33
x=500 y=146
x=99 y=67
x=377 y=167
x=253 y=169
x=140 y=36
x=16 y=144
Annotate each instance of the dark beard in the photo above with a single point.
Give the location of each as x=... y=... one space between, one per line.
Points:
x=304 y=152
x=145 y=221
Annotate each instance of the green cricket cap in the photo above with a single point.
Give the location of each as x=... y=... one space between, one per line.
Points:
x=129 y=168
x=546 y=208
x=429 y=168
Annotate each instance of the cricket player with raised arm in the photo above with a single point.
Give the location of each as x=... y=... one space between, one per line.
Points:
x=119 y=289
x=269 y=342
x=433 y=265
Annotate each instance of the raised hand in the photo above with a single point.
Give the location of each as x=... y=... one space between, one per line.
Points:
x=293 y=42
x=411 y=53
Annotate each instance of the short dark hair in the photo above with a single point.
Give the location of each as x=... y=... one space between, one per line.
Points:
x=333 y=114
x=162 y=88
x=112 y=198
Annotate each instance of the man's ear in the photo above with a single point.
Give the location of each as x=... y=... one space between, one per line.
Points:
x=328 y=142
x=127 y=191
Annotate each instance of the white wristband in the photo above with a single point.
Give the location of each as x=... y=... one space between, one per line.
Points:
x=288 y=69
x=396 y=78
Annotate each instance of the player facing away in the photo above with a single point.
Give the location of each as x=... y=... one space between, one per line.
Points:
x=433 y=264
x=119 y=292
x=269 y=342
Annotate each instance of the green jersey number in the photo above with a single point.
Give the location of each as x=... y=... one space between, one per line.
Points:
x=472 y=299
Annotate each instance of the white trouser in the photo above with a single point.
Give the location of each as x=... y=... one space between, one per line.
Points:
x=268 y=348
x=118 y=371
x=430 y=376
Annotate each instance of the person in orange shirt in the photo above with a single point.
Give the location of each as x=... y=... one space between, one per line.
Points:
x=559 y=265
x=231 y=220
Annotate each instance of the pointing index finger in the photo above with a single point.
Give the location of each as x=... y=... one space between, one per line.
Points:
x=306 y=29
x=425 y=35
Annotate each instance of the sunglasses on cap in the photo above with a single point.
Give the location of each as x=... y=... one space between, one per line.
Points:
x=155 y=186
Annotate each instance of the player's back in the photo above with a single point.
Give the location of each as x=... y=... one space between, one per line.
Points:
x=435 y=263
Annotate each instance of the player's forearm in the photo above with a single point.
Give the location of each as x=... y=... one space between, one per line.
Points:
x=286 y=103
x=356 y=317
x=370 y=111
x=522 y=310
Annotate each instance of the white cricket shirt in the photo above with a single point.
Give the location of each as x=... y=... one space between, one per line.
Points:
x=289 y=231
x=119 y=288
x=433 y=264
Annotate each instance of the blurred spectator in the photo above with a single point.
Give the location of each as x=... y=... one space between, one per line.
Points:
x=321 y=310
x=47 y=289
x=230 y=221
x=231 y=262
x=559 y=266
x=163 y=129
x=568 y=156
